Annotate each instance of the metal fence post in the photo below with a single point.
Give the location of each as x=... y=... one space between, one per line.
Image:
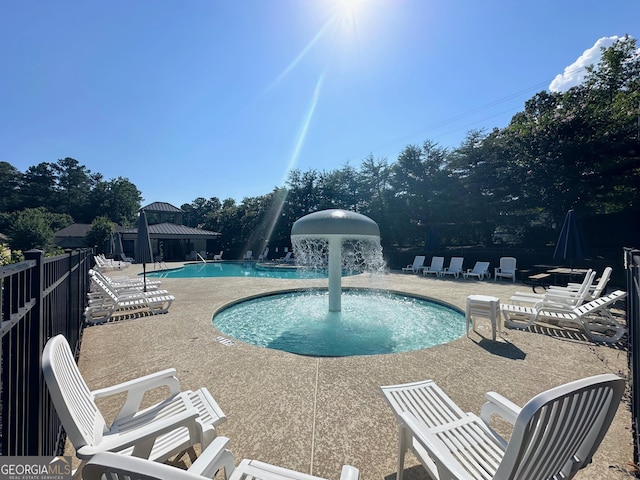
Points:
x=632 y=269
x=34 y=384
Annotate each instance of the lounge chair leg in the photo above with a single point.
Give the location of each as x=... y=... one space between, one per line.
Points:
x=402 y=450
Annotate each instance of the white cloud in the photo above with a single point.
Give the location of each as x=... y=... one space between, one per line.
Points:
x=574 y=74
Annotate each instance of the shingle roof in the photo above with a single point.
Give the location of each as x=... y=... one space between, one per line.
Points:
x=75 y=230
x=162 y=207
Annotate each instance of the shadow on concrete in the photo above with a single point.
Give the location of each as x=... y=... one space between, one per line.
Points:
x=414 y=473
x=502 y=348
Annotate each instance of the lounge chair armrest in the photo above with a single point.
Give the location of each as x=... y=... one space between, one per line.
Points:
x=214 y=457
x=142 y=439
x=551 y=306
x=349 y=473
x=501 y=406
x=447 y=465
x=136 y=389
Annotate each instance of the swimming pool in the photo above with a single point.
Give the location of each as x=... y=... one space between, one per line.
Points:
x=371 y=322
x=238 y=269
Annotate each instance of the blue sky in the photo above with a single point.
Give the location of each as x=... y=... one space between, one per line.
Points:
x=203 y=98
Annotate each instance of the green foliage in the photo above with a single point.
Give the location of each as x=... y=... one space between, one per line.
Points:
x=8 y=256
x=31 y=228
x=100 y=233
x=118 y=199
x=577 y=149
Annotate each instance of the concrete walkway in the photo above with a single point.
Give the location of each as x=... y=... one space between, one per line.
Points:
x=316 y=414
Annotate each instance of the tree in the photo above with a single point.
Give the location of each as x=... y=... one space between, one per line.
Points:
x=197 y=211
x=74 y=183
x=31 y=229
x=10 y=179
x=39 y=187
x=100 y=233
x=117 y=199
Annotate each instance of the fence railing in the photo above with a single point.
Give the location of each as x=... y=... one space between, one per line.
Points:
x=39 y=298
x=632 y=269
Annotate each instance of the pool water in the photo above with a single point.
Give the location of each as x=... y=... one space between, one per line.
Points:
x=370 y=323
x=238 y=269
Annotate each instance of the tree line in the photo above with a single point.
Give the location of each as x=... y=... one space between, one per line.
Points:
x=578 y=149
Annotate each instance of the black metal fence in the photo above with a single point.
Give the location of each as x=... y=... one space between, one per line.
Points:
x=632 y=269
x=40 y=297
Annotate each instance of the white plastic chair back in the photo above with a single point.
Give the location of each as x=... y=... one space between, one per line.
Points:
x=585 y=287
x=82 y=421
x=602 y=283
x=481 y=268
x=455 y=265
x=507 y=264
x=437 y=264
x=558 y=431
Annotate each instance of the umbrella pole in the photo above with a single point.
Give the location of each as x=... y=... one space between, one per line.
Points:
x=144 y=276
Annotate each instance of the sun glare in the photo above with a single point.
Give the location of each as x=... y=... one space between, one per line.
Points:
x=348 y=13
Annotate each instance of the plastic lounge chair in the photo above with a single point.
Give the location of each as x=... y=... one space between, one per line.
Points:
x=157 y=432
x=264 y=254
x=115 y=264
x=416 y=266
x=454 y=268
x=287 y=258
x=594 y=290
x=102 y=264
x=109 y=302
x=248 y=255
x=507 y=269
x=218 y=256
x=103 y=291
x=215 y=457
x=554 y=435
x=437 y=264
x=125 y=283
x=560 y=295
x=593 y=317
x=480 y=270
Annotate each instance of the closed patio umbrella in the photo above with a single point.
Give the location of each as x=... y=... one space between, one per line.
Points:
x=118 y=250
x=570 y=245
x=143 y=246
x=110 y=246
x=432 y=242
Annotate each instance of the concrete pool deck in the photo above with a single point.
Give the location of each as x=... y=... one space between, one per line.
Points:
x=316 y=414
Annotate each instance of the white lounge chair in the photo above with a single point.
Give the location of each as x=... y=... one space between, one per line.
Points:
x=454 y=268
x=554 y=435
x=594 y=290
x=593 y=317
x=106 y=265
x=105 y=304
x=218 y=256
x=287 y=258
x=248 y=255
x=264 y=255
x=564 y=296
x=436 y=267
x=182 y=419
x=480 y=270
x=507 y=269
x=416 y=266
x=125 y=284
x=215 y=457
